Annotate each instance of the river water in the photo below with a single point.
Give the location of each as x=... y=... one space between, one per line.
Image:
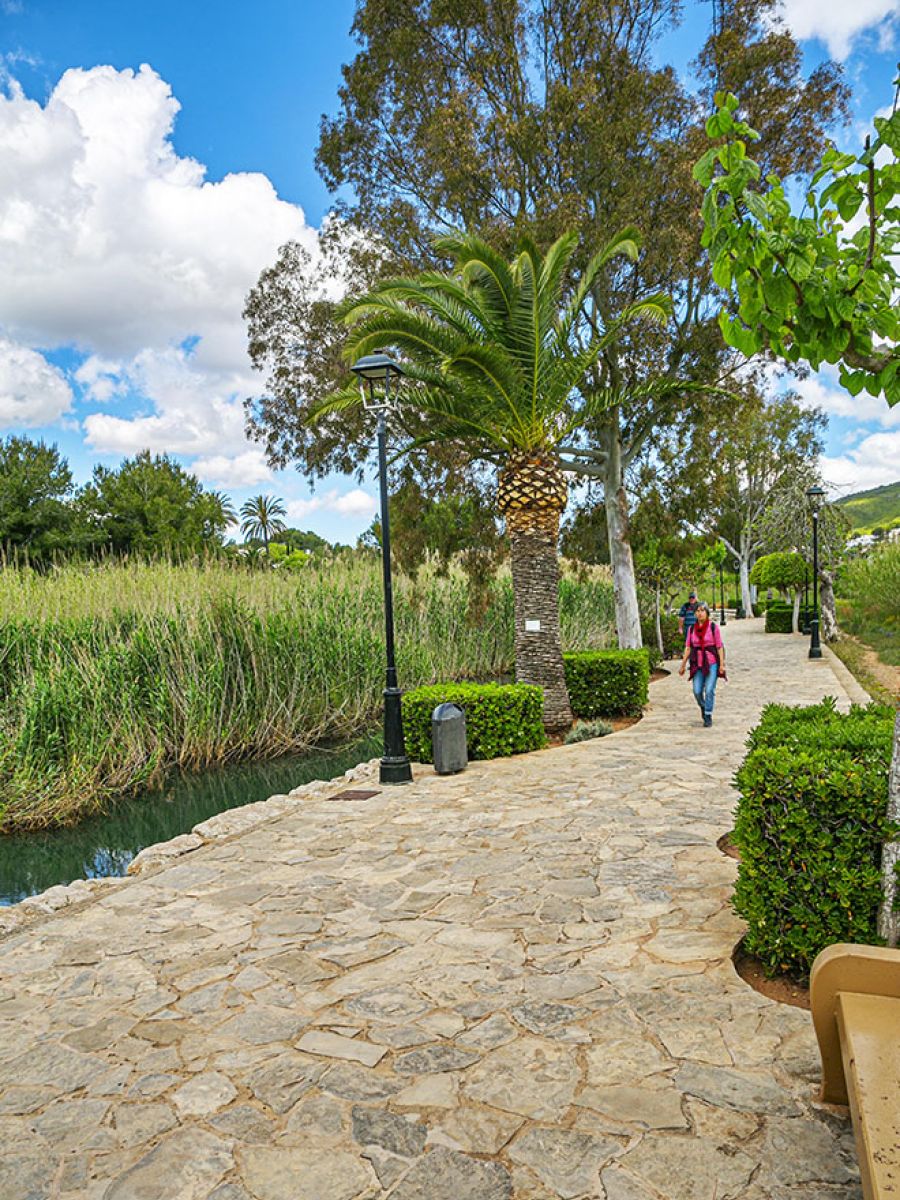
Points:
x=105 y=845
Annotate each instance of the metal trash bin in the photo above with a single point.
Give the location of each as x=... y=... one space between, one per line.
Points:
x=448 y=739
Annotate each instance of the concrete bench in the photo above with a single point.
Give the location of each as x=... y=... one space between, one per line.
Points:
x=855 y=1001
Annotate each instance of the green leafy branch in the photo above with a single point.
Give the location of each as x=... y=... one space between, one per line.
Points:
x=816 y=287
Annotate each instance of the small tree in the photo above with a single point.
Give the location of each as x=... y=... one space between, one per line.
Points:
x=261 y=517
x=787 y=573
x=660 y=573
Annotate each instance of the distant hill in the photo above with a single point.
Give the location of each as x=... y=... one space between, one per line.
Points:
x=877 y=506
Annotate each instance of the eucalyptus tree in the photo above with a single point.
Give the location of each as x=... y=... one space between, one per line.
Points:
x=494 y=369
x=261 y=516
x=517 y=116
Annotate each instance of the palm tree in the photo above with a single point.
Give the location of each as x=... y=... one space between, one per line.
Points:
x=489 y=352
x=261 y=516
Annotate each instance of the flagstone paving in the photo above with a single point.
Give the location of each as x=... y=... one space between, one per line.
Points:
x=511 y=984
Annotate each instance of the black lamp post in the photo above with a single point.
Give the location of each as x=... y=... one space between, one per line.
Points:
x=374 y=370
x=815 y=495
x=722 y=593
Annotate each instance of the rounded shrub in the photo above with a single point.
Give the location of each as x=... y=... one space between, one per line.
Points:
x=607 y=683
x=810 y=825
x=501 y=719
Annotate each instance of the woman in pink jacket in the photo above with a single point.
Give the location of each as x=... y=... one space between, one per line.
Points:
x=704 y=654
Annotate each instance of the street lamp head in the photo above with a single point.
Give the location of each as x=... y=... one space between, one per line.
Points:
x=374 y=369
x=815 y=495
x=376 y=366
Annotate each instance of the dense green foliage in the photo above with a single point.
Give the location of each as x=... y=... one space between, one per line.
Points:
x=501 y=719
x=784 y=570
x=36 y=516
x=150 y=506
x=607 y=683
x=871 y=584
x=780 y=616
x=877 y=506
x=810 y=823
x=113 y=673
x=816 y=287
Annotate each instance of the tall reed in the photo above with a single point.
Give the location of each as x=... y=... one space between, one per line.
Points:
x=111 y=674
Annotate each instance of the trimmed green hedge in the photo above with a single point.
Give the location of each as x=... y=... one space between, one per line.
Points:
x=810 y=825
x=501 y=719
x=780 y=616
x=607 y=683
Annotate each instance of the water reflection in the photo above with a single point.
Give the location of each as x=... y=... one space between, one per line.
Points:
x=105 y=845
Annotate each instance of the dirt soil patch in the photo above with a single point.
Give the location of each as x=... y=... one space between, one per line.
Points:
x=783 y=988
x=727 y=846
x=886 y=674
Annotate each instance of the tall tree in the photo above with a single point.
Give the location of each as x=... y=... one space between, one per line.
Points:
x=261 y=517
x=492 y=368
x=35 y=488
x=513 y=116
x=151 y=506
x=754 y=453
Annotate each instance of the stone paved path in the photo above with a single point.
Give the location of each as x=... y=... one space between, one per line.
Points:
x=513 y=984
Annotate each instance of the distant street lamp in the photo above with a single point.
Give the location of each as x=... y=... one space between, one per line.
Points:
x=378 y=370
x=815 y=495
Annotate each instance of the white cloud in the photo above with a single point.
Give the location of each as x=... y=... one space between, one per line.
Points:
x=825 y=392
x=838 y=23
x=355 y=503
x=243 y=470
x=32 y=391
x=113 y=243
x=875 y=461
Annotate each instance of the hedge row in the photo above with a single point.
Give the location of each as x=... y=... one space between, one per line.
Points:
x=780 y=617
x=810 y=824
x=607 y=683
x=501 y=719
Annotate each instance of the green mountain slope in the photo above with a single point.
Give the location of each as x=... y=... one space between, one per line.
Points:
x=877 y=506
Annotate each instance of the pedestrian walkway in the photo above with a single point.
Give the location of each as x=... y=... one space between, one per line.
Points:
x=511 y=984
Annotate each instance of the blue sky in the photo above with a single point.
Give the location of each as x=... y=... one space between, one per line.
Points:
x=152 y=159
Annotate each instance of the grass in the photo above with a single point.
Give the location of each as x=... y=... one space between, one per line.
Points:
x=853 y=655
x=869 y=610
x=112 y=674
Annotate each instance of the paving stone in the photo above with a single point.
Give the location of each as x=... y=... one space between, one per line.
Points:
x=26 y=1173
x=188 y=1164
x=653 y=1107
x=449 y=1175
x=69 y=1123
x=332 y=1045
x=259 y=1024
x=301 y=1173
x=388 y=1167
x=318 y=1116
x=204 y=1094
x=567 y=1161
x=281 y=1081
x=541 y=1018
x=137 y=1123
x=749 y=1091
x=356 y=1083
x=480 y=1130
x=489 y=1034
x=244 y=1122
x=526 y=1076
x=52 y=1064
x=390 y=1005
x=431 y=1091
x=396 y=1134
x=802 y=1152
x=433 y=1059
x=684 y=1168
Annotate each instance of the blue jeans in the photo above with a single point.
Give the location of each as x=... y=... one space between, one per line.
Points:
x=705 y=689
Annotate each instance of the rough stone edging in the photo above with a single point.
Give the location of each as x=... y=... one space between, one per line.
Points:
x=220 y=828
x=846 y=678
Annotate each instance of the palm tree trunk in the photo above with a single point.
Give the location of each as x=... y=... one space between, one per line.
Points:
x=535 y=574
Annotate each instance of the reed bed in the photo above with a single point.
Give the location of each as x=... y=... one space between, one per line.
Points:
x=112 y=674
